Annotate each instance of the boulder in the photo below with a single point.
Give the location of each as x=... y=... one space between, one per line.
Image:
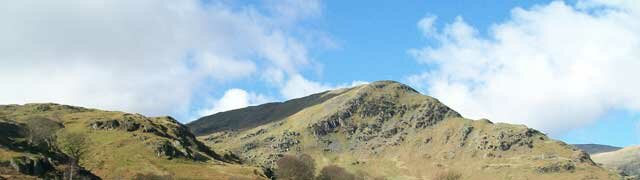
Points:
x=35 y=166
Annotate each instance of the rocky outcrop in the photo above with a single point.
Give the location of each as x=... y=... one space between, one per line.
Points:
x=178 y=143
x=506 y=139
x=389 y=125
x=8 y=131
x=171 y=150
x=555 y=167
x=127 y=123
x=35 y=166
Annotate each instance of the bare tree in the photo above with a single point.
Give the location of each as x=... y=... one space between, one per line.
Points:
x=75 y=146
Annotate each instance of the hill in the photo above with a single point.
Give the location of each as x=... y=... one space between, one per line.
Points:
x=596 y=148
x=387 y=129
x=626 y=160
x=117 y=146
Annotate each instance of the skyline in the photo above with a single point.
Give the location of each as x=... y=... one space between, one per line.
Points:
x=564 y=67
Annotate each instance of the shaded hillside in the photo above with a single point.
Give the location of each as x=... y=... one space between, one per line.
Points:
x=387 y=129
x=253 y=116
x=626 y=160
x=120 y=145
x=596 y=148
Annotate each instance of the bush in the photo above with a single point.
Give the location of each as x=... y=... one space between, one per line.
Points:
x=447 y=175
x=334 y=172
x=152 y=177
x=295 y=168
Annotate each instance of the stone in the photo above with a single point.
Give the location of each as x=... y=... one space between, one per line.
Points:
x=165 y=149
x=31 y=165
x=556 y=167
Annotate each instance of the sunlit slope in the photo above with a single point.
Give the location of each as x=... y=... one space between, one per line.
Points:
x=387 y=129
x=626 y=160
x=121 y=145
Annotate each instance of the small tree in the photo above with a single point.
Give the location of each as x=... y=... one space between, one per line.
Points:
x=334 y=172
x=295 y=168
x=75 y=146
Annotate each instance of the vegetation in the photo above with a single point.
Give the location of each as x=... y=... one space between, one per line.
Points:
x=295 y=168
x=447 y=175
x=41 y=131
x=153 y=177
x=387 y=129
x=383 y=129
x=117 y=145
x=302 y=167
x=625 y=160
x=75 y=146
x=333 y=172
x=254 y=116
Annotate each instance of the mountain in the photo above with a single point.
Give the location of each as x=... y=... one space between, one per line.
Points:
x=116 y=145
x=387 y=129
x=596 y=148
x=626 y=160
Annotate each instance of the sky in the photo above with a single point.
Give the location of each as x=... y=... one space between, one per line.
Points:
x=567 y=68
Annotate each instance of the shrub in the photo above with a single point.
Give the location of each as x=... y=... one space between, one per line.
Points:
x=295 y=168
x=74 y=146
x=152 y=177
x=447 y=175
x=334 y=172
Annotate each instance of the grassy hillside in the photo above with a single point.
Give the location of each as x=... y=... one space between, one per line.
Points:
x=626 y=160
x=386 y=129
x=121 y=145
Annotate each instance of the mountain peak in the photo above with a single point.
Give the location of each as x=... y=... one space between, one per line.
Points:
x=376 y=96
x=390 y=85
x=386 y=128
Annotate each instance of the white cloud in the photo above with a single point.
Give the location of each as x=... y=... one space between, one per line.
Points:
x=426 y=25
x=552 y=67
x=297 y=86
x=143 y=56
x=233 y=99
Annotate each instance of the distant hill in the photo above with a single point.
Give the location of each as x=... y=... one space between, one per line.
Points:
x=596 y=148
x=387 y=129
x=626 y=160
x=120 y=146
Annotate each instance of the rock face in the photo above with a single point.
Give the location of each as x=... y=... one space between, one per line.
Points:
x=36 y=166
x=178 y=142
x=387 y=129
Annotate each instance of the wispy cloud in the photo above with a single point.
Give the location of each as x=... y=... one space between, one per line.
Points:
x=143 y=56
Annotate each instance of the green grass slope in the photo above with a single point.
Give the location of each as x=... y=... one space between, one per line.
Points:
x=121 y=146
x=387 y=129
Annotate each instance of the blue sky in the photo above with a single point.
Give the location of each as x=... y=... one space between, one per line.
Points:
x=563 y=67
